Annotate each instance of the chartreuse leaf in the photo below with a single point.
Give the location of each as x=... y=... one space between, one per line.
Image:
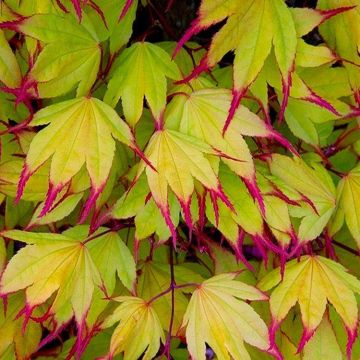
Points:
x=312 y=282
x=203 y=113
x=10 y=73
x=69 y=265
x=323 y=345
x=139 y=331
x=57 y=213
x=216 y=316
x=71 y=54
x=179 y=160
x=349 y=204
x=142 y=71
x=316 y=188
x=342 y=34
x=81 y=132
x=251 y=29
x=51 y=263
x=13 y=340
x=35 y=189
x=119 y=29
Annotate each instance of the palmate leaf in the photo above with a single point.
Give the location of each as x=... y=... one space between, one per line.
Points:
x=252 y=27
x=316 y=188
x=138 y=332
x=348 y=195
x=10 y=73
x=81 y=132
x=142 y=71
x=203 y=113
x=216 y=316
x=71 y=55
x=179 y=160
x=68 y=265
x=342 y=34
x=312 y=282
x=13 y=339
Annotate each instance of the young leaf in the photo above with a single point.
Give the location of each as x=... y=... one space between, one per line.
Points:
x=251 y=29
x=348 y=196
x=203 y=113
x=138 y=332
x=80 y=132
x=51 y=263
x=215 y=316
x=142 y=71
x=312 y=282
x=71 y=54
x=316 y=188
x=10 y=73
x=179 y=160
x=323 y=345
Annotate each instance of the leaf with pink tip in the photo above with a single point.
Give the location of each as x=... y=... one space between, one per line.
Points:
x=203 y=113
x=71 y=55
x=178 y=160
x=218 y=316
x=139 y=332
x=342 y=35
x=10 y=328
x=142 y=71
x=312 y=282
x=81 y=132
x=251 y=29
x=10 y=73
x=316 y=187
x=51 y=263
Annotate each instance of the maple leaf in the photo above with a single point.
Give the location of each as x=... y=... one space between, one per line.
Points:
x=179 y=160
x=142 y=71
x=348 y=195
x=342 y=35
x=72 y=266
x=316 y=189
x=80 y=132
x=10 y=73
x=203 y=113
x=251 y=28
x=216 y=316
x=71 y=55
x=312 y=282
x=10 y=328
x=51 y=263
x=139 y=331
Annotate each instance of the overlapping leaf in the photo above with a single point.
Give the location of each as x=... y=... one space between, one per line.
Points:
x=312 y=282
x=179 y=160
x=216 y=316
x=66 y=265
x=81 y=132
x=139 y=331
x=317 y=191
x=142 y=71
x=71 y=55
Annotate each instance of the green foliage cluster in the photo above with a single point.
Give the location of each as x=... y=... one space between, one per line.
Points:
x=179 y=179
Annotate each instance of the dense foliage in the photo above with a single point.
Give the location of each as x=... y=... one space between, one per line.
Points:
x=179 y=179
